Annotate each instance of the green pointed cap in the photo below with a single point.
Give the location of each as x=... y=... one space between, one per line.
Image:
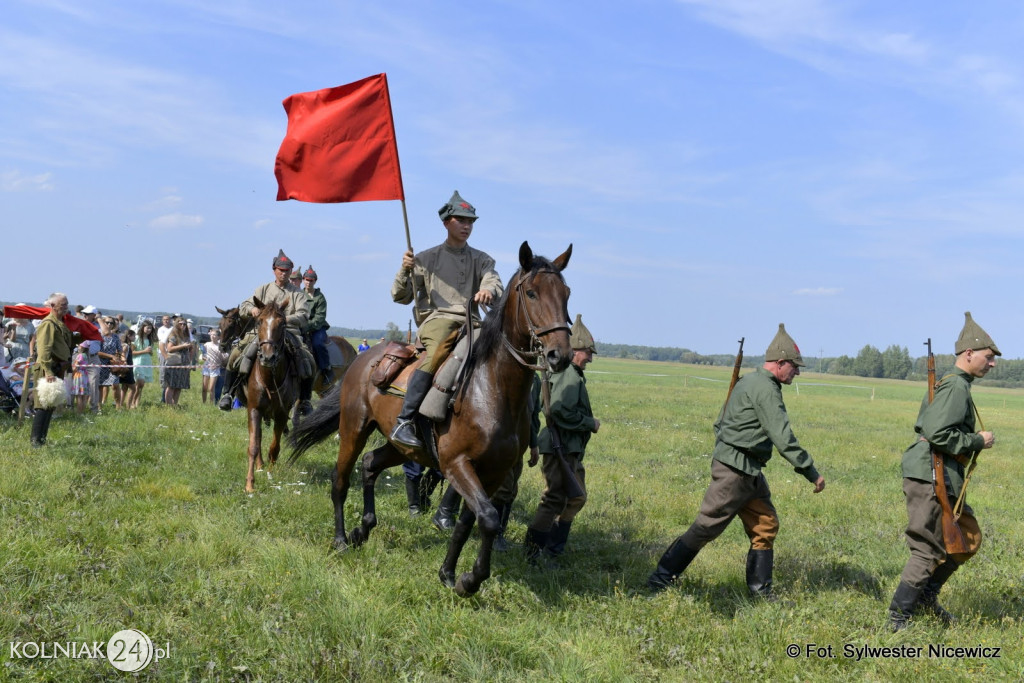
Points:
x=973 y=337
x=456 y=206
x=784 y=348
x=580 y=339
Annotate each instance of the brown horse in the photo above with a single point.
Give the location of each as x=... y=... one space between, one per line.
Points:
x=272 y=388
x=489 y=427
x=233 y=327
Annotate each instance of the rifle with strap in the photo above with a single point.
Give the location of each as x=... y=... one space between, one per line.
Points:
x=572 y=484
x=952 y=536
x=735 y=378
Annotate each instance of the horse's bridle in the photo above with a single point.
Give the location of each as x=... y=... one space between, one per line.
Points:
x=227 y=340
x=536 y=350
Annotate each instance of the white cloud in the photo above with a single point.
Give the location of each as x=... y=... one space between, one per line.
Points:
x=818 y=291
x=15 y=181
x=176 y=221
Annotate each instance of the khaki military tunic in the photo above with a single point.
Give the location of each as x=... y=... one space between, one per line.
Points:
x=296 y=312
x=446 y=281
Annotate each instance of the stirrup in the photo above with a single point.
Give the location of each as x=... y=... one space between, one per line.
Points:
x=225 y=402
x=405 y=434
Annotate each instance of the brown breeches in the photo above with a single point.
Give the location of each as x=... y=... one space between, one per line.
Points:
x=733 y=493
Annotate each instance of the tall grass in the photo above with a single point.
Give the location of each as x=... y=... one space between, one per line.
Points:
x=139 y=520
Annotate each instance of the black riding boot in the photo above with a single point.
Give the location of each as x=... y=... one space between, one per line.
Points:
x=40 y=427
x=929 y=599
x=447 y=510
x=673 y=563
x=759 y=573
x=559 y=535
x=412 y=494
x=501 y=543
x=230 y=385
x=305 y=393
x=428 y=482
x=534 y=543
x=902 y=606
x=405 y=429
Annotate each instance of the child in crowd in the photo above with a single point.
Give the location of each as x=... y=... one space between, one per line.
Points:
x=79 y=388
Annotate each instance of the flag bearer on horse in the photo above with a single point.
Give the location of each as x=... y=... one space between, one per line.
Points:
x=318 y=325
x=449 y=282
x=294 y=301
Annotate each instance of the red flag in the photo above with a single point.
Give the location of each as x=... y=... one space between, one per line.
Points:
x=83 y=327
x=340 y=145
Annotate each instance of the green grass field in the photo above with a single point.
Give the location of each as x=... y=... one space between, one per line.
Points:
x=139 y=520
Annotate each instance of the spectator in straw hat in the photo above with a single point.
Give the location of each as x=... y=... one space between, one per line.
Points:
x=753 y=420
x=946 y=427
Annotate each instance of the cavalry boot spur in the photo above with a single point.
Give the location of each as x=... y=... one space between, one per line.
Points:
x=759 y=573
x=673 y=563
x=901 y=609
x=404 y=431
x=447 y=510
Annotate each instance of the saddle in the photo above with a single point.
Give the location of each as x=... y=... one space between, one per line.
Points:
x=391 y=375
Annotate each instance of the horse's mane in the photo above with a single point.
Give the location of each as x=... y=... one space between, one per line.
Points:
x=493 y=326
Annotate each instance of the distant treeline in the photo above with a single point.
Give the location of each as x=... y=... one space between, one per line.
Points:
x=895 y=362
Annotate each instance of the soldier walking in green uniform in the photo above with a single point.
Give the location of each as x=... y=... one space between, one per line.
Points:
x=282 y=292
x=753 y=420
x=572 y=421
x=946 y=427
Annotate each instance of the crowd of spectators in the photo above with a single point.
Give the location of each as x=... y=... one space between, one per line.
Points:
x=116 y=364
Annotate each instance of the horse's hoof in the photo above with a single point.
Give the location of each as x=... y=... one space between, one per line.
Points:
x=447 y=578
x=339 y=544
x=357 y=538
x=465 y=586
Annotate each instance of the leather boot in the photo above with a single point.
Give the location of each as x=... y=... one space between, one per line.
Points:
x=404 y=431
x=901 y=609
x=559 y=535
x=228 y=397
x=534 y=543
x=305 y=394
x=673 y=563
x=428 y=482
x=501 y=543
x=447 y=510
x=327 y=376
x=412 y=494
x=40 y=424
x=759 y=573
x=929 y=599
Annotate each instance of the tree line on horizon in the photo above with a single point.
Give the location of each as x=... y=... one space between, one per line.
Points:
x=895 y=362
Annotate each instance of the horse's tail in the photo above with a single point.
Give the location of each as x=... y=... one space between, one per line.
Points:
x=318 y=425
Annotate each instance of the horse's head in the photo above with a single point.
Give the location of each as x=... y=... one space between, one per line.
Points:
x=230 y=327
x=270 y=327
x=538 y=300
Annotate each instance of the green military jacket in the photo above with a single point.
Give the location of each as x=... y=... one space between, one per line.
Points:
x=446 y=281
x=54 y=345
x=754 y=420
x=317 y=303
x=297 y=312
x=946 y=425
x=570 y=411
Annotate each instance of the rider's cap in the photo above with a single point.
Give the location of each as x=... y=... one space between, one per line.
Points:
x=456 y=206
x=310 y=274
x=580 y=339
x=282 y=261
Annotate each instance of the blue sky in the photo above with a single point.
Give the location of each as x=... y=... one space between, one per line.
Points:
x=853 y=169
